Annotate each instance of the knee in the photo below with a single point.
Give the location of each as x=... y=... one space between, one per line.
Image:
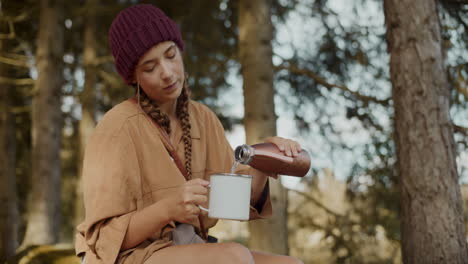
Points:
x=237 y=253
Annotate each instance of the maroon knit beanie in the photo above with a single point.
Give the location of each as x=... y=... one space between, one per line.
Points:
x=134 y=31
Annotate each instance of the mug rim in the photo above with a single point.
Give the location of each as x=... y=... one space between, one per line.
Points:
x=232 y=175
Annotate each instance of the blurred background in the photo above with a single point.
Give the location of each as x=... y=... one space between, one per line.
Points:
x=330 y=90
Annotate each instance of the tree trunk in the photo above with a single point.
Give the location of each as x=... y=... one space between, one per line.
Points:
x=88 y=97
x=431 y=206
x=44 y=202
x=255 y=35
x=8 y=209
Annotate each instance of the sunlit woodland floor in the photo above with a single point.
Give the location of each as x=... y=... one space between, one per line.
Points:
x=50 y=254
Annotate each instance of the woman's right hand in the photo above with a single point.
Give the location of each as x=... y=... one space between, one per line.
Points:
x=183 y=203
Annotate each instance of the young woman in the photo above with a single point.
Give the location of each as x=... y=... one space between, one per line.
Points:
x=147 y=165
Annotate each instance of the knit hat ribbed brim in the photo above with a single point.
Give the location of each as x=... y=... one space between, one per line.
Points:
x=134 y=31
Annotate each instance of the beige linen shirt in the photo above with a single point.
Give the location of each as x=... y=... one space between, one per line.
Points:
x=126 y=168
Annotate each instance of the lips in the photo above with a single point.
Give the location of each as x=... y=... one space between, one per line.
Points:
x=171 y=87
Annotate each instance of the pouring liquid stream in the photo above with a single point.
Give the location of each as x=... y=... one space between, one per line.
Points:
x=234 y=166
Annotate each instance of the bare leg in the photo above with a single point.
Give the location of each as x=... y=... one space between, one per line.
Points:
x=267 y=258
x=226 y=253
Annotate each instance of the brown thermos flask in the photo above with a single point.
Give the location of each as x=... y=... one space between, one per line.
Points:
x=268 y=158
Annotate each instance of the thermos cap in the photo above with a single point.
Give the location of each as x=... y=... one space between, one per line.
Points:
x=243 y=154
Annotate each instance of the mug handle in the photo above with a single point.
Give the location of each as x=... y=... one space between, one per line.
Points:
x=204 y=209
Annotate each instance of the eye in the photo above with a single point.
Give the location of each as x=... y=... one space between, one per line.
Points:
x=149 y=69
x=171 y=53
x=171 y=56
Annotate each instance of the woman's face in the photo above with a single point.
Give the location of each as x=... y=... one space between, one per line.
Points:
x=160 y=72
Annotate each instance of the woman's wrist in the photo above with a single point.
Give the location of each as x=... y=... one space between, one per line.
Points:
x=167 y=209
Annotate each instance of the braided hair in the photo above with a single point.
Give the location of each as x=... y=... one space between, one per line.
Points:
x=152 y=109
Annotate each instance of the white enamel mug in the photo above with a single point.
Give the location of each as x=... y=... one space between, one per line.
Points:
x=229 y=196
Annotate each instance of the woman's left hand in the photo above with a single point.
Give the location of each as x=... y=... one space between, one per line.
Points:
x=290 y=147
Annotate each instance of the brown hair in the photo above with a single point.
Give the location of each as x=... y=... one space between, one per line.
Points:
x=151 y=108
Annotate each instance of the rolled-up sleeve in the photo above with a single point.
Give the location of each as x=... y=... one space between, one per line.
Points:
x=107 y=237
x=220 y=158
x=111 y=189
x=261 y=208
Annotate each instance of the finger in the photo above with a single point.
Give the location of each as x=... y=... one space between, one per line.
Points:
x=278 y=141
x=197 y=189
x=195 y=210
x=281 y=145
x=198 y=181
x=194 y=199
x=291 y=148
x=294 y=148
x=191 y=209
x=200 y=199
x=298 y=148
x=187 y=199
x=288 y=149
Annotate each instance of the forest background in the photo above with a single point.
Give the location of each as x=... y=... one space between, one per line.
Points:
x=318 y=71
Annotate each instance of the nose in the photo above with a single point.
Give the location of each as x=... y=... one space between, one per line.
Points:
x=166 y=72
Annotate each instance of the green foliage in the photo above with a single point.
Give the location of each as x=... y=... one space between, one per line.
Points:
x=20 y=48
x=455 y=43
x=342 y=76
